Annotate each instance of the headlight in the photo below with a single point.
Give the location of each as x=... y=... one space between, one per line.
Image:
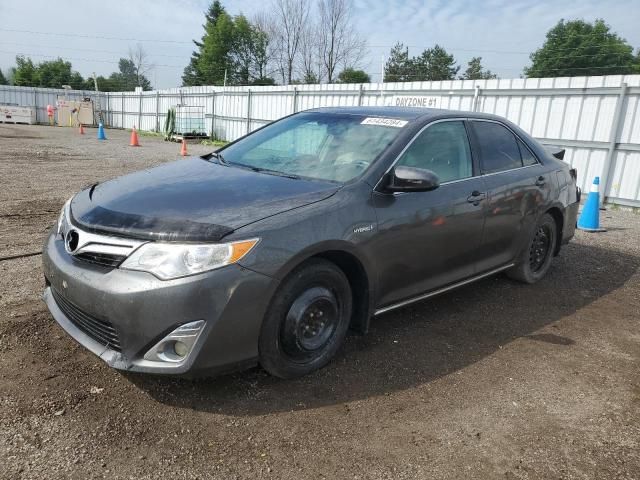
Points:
x=63 y=216
x=171 y=260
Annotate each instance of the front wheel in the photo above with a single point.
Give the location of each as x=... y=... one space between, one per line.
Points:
x=535 y=260
x=307 y=320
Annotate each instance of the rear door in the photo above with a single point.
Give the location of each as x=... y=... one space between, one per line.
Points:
x=517 y=187
x=430 y=239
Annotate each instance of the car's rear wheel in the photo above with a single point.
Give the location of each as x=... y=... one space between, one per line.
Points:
x=306 y=321
x=535 y=260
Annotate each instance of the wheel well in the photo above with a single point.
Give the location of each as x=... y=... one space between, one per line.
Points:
x=557 y=216
x=359 y=283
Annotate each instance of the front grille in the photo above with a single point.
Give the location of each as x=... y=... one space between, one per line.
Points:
x=101 y=331
x=102 y=259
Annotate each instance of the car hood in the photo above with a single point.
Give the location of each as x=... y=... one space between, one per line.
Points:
x=190 y=200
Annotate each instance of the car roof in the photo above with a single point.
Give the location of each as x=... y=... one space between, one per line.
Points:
x=404 y=113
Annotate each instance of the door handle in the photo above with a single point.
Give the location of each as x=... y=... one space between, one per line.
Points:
x=476 y=197
x=540 y=181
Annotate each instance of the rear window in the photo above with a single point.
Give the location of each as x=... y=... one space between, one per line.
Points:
x=498 y=147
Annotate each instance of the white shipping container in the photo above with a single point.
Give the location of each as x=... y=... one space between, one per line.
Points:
x=10 y=114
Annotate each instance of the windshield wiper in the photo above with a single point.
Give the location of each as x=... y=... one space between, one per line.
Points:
x=222 y=161
x=273 y=172
x=220 y=158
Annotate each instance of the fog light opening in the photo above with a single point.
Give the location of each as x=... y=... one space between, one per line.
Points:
x=180 y=349
x=176 y=347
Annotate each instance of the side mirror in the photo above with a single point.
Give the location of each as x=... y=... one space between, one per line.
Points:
x=411 y=179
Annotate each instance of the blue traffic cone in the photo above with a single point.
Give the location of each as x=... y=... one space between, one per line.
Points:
x=589 y=220
x=101 y=135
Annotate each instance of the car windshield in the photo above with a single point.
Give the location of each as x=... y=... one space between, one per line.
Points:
x=333 y=147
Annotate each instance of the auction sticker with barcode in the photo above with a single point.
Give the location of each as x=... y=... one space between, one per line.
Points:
x=384 y=122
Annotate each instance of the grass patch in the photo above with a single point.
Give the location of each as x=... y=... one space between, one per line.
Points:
x=213 y=143
x=147 y=133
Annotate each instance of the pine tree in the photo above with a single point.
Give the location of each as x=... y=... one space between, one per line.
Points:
x=434 y=64
x=398 y=65
x=3 y=80
x=192 y=74
x=475 y=71
x=216 y=54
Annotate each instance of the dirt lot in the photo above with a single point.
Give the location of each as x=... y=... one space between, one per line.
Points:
x=496 y=380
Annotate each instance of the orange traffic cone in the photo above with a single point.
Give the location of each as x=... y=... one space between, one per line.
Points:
x=134 y=138
x=81 y=130
x=183 y=150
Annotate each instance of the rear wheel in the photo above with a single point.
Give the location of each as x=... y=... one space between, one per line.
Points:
x=307 y=320
x=535 y=260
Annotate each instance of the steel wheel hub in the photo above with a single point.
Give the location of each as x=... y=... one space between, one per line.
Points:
x=540 y=248
x=309 y=323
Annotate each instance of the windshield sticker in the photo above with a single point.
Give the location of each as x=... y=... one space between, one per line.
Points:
x=384 y=122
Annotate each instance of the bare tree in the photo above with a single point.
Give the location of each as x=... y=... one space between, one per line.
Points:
x=139 y=57
x=266 y=59
x=340 y=45
x=310 y=61
x=290 y=22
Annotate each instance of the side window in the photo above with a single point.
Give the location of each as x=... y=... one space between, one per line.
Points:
x=527 y=157
x=442 y=148
x=498 y=147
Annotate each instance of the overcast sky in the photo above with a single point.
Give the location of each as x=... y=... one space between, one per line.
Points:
x=94 y=34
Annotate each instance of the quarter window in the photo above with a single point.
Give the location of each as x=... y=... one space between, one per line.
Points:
x=527 y=157
x=498 y=147
x=442 y=148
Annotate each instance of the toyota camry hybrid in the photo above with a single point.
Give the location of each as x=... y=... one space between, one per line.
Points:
x=269 y=250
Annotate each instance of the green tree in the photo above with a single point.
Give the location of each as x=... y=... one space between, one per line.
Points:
x=104 y=84
x=248 y=54
x=216 y=55
x=434 y=64
x=398 y=65
x=49 y=74
x=475 y=71
x=242 y=51
x=128 y=78
x=577 y=48
x=192 y=75
x=351 y=75
x=3 y=80
x=25 y=73
x=310 y=78
x=56 y=73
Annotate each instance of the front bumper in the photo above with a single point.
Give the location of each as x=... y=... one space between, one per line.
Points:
x=143 y=309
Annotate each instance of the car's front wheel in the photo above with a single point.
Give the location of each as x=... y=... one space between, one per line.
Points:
x=307 y=320
x=535 y=259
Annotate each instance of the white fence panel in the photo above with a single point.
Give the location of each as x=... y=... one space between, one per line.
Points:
x=578 y=113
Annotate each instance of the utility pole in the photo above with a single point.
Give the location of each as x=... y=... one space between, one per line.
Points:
x=381 y=76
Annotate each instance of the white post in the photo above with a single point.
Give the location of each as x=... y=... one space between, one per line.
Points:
x=476 y=95
x=382 y=77
x=613 y=142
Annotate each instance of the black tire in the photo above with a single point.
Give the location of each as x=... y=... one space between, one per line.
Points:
x=307 y=320
x=535 y=260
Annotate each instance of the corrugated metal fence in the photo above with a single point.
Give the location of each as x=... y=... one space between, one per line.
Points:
x=594 y=118
x=41 y=97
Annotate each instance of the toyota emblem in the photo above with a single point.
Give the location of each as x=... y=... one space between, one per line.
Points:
x=71 y=241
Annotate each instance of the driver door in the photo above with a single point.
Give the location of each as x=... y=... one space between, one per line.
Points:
x=427 y=240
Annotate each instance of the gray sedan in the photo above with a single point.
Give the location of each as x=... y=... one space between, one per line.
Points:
x=269 y=250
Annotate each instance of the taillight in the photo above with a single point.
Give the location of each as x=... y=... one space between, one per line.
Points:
x=574 y=174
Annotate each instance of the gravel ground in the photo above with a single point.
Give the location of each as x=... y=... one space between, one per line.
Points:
x=494 y=380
